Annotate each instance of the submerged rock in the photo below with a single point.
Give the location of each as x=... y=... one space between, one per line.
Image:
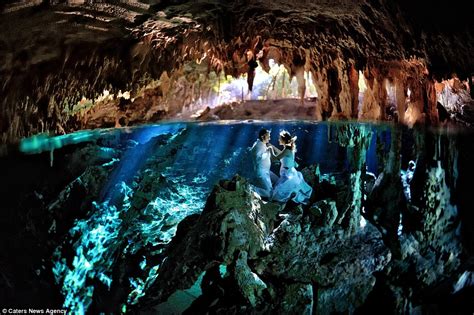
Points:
x=325 y=212
x=229 y=224
x=249 y=283
x=272 y=270
x=296 y=299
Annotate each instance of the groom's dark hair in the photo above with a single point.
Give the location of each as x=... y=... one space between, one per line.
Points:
x=262 y=133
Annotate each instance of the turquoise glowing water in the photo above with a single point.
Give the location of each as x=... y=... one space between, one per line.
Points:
x=204 y=154
x=209 y=152
x=225 y=141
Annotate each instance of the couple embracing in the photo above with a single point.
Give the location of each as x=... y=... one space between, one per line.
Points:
x=290 y=184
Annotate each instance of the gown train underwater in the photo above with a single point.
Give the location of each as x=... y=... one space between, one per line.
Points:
x=291 y=184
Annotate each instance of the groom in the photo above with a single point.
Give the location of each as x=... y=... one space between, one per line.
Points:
x=261 y=156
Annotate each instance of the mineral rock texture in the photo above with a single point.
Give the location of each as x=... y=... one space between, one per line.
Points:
x=70 y=65
x=303 y=263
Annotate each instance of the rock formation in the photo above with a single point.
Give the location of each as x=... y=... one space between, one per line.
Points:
x=271 y=253
x=72 y=65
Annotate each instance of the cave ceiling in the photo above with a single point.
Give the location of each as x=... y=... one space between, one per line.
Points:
x=55 y=54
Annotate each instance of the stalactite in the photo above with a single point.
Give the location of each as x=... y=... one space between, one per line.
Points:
x=324 y=107
x=431 y=110
x=354 y=90
x=299 y=74
x=414 y=112
x=382 y=97
x=400 y=95
x=371 y=109
x=334 y=89
x=130 y=58
x=345 y=97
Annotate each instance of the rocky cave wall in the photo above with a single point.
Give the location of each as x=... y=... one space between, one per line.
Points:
x=58 y=57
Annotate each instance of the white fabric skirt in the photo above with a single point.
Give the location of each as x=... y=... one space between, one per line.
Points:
x=291 y=185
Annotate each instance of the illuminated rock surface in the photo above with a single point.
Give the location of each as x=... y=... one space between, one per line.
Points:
x=71 y=65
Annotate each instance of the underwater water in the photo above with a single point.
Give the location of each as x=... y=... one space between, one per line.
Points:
x=93 y=212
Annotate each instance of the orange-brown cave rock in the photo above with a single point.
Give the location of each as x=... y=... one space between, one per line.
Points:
x=69 y=65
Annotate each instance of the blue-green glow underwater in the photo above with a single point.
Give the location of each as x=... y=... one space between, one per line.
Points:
x=164 y=174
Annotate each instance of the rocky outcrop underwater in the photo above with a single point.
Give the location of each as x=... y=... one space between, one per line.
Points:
x=119 y=226
x=302 y=259
x=279 y=258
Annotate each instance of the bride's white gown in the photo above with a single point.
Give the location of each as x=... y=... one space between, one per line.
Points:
x=291 y=183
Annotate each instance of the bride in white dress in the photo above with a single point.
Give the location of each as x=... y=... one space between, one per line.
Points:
x=291 y=184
